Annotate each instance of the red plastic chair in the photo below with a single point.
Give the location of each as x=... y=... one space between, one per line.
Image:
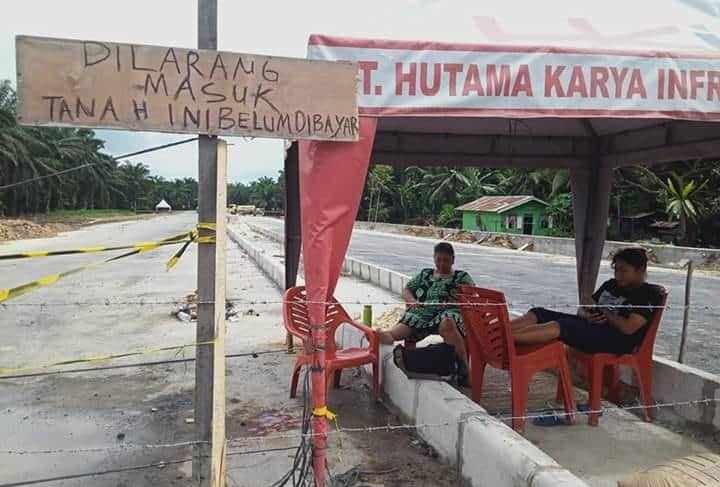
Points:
x=297 y=322
x=597 y=365
x=489 y=340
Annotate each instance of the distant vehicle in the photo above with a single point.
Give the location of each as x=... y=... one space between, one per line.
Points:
x=251 y=210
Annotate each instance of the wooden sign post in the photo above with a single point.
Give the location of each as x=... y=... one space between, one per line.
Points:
x=202 y=91
x=209 y=456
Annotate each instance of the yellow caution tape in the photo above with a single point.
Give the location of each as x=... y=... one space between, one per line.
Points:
x=185 y=238
x=36 y=254
x=142 y=246
x=206 y=239
x=101 y=358
x=14 y=292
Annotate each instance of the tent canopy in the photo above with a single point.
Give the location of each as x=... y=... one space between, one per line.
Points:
x=510 y=106
x=163 y=205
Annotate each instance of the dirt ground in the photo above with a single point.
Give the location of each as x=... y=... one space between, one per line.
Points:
x=22 y=229
x=39 y=227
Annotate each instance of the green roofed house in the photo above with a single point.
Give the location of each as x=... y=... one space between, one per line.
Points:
x=507 y=214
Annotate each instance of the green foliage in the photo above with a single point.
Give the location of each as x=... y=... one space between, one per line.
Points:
x=683 y=197
x=684 y=201
x=378 y=186
x=265 y=193
x=560 y=210
x=238 y=194
x=448 y=217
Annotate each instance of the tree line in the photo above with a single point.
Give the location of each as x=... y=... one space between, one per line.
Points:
x=684 y=191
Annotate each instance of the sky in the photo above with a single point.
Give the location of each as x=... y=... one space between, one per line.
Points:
x=281 y=28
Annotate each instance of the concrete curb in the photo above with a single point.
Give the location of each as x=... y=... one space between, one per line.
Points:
x=672 y=381
x=486 y=452
x=675 y=382
x=273 y=269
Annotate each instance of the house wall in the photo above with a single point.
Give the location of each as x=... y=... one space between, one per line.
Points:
x=492 y=222
x=469 y=220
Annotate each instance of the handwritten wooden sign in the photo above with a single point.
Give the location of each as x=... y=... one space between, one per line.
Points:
x=137 y=87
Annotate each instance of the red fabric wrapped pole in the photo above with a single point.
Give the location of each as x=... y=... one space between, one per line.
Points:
x=332 y=177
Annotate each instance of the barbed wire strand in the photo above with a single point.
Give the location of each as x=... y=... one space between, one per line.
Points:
x=480 y=416
x=260 y=451
x=134 y=365
x=140 y=467
x=243 y=302
x=96 y=473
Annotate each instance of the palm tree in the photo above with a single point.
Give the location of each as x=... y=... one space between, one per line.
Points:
x=684 y=201
x=265 y=193
x=542 y=183
x=16 y=150
x=133 y=179
x=379 y=182
x=443 y=183
x=560 y=209
x=238 y=194
x=480 y=184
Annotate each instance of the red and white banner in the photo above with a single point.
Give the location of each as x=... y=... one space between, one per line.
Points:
x=425 y=78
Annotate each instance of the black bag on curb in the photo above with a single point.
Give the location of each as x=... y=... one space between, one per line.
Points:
x=437 y=359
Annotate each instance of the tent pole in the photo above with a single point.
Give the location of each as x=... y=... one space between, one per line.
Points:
x=591 y=205
x=293 y=237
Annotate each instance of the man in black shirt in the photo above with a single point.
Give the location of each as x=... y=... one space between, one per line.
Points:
x=618 y=322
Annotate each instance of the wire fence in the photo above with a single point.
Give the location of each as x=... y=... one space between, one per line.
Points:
x=300 y=467
x=240 y=301
x=243 y=443
x=479 y=417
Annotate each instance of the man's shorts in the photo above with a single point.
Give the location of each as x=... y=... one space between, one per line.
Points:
x=585 y=336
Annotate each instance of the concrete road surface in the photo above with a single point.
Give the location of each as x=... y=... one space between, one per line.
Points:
x=68 y=307
x=542 y=279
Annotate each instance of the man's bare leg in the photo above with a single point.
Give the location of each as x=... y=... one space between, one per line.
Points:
x=528 y=319
x=537 y=334
x=396 y=333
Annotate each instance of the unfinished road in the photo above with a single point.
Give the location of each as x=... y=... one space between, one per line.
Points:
x=104 y=420
x=549 y=280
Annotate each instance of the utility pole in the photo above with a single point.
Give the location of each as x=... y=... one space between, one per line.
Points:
x=209 y=453
x=686 y=312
